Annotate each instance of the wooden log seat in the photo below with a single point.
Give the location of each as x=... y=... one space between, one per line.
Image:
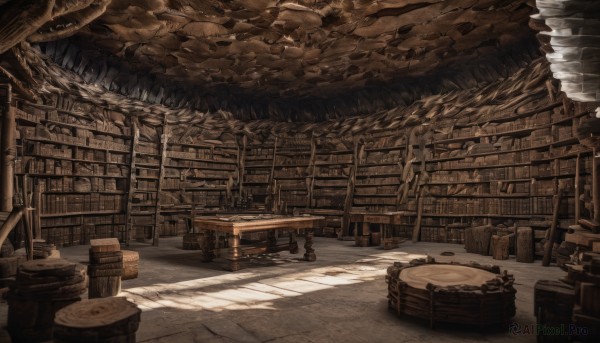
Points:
x=103 y=320
x=42 y=288
x=131 y=260
x=451 y=292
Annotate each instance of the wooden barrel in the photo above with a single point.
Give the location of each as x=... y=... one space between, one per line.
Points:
x=452 y=293
x=131 y=261
x=42 y=287
x=105 y=320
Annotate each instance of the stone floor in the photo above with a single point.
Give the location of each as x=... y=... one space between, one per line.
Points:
x=341 y=297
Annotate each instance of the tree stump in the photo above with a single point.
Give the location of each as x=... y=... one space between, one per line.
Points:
x=42 y=287
x=113 y=320
x=501 y=246
x=524 y=250
x=477 y=239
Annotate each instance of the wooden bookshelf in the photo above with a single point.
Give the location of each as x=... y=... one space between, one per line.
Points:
x=78 y=166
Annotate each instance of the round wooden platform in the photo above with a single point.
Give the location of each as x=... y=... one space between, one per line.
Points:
x=444 y=275
x=455 y=293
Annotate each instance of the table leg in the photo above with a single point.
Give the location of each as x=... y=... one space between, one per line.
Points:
x=235 y=253
x=309 y=254
x=271 y=241
x=293 y=242
x=208 y=246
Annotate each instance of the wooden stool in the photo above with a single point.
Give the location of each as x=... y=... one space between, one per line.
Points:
x=104 y=320
x=131 y=261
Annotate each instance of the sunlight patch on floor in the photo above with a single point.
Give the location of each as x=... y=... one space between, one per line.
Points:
x=194 y=295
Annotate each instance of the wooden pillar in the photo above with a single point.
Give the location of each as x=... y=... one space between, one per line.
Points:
x=595 y=187
x=553 y=231
x=242 y=165
x=348 y=201
x=164 y=139
x=417 y=228
x=10 y=222
x=130 y=234
x=37 y=203
x=525 y=245
x=272 y=186
x=9 y=149
x=577 y=189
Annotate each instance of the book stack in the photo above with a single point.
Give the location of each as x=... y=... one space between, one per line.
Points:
x=105 y=268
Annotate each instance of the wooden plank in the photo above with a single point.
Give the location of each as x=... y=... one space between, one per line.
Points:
x=577 y=188
x=313 y=168
x=500 y=247
x=8 y=147
x=104 y=245
x=525 y=245
x=582 y=238
x=595 y=187
x=37 y=203
x=350 y=190
x=271 y=188
x=216 y=224
x=135 y=132
x=161 y=176
x=417 y=227
x=589 y=224
x=552 y=233
x=9 y=224
x=242 y=165
x=26 y=221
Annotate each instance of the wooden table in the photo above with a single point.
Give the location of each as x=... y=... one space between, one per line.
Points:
x=384 y=219
x=234 y=225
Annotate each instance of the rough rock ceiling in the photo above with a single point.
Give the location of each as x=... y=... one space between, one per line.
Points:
x=295 y=48
x=524 y=90
x=288 y=60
